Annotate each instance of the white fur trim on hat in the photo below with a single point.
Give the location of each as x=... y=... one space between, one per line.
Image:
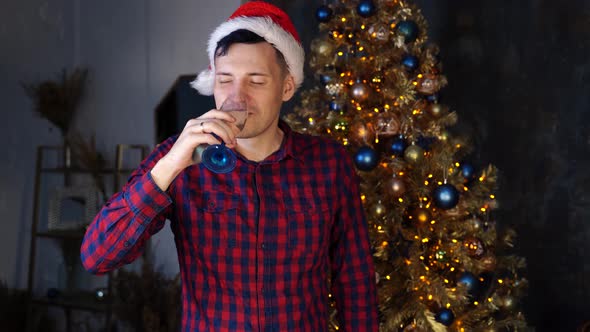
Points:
x=266 y=28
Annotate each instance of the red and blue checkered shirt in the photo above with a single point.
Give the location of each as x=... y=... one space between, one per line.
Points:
x=256 y=246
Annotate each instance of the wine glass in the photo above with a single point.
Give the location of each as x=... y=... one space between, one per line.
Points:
x=218 y=158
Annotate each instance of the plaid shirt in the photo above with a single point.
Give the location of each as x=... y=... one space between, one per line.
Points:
x=256 y=246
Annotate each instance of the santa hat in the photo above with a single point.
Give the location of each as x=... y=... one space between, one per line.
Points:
x=267 y=21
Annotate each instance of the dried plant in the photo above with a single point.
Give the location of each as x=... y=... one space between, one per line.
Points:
x=57 y=101
x=87 y=157
x=148 y=300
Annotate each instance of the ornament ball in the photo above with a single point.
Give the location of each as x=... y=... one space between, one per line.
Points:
x=445 y=317
x=408 y=29
x=366 y=159
x=410 y=62
x=398 y=187
x=445 y=196
x=366 y=8
x=468 y=171
x=360 y=91
x=469 y=280
x=414 y=154
x=398 y=146
x=323 y=13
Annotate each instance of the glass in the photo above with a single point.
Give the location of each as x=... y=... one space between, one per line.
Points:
x=218 y=158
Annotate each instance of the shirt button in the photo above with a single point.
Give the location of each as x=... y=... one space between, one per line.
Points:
x=263 y=246
x=126 y=244
x=211 y=204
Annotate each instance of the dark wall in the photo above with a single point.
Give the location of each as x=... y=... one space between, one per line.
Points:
x=519 y=77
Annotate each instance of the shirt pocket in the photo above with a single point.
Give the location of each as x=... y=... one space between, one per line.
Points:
x=217 y=219
x=307 y=229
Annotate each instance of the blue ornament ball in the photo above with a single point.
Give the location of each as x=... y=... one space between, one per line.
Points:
x=366 y=159
x=335 y=106
x=323 y=14
x=325 y=79
x=434 y=98
x=445 y=196
x=445 y=317
x=366 y=8
x=468 y=171
x=410 y=62
x=408 y=29
x=398 y=146
x=470 y=281
x=425 y=142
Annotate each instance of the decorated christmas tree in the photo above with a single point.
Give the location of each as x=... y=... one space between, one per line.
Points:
x=443 y=263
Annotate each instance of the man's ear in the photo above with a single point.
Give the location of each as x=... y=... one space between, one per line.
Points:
x=288 y=87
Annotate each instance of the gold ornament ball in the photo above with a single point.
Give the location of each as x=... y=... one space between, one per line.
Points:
x=359 y=91
x=379 y=209
x=322 y=47
x=398 y=187
x=414 y=154
x=436 y=110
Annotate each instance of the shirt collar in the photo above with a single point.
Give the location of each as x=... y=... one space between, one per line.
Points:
x=294 y=144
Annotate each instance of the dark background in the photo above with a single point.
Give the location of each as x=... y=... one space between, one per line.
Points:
x=519 y=78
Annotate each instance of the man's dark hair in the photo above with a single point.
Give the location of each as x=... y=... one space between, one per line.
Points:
x=244 y=36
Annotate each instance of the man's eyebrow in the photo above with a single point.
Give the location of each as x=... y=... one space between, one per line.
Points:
x=249 y=74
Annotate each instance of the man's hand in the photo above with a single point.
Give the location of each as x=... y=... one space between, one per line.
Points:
x=196 y=132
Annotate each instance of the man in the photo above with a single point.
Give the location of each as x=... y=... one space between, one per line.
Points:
x=258 y=247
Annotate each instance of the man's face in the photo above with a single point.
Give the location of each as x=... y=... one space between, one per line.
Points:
x=252 y=71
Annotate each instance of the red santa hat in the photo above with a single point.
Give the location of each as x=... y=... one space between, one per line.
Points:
x=267 y=21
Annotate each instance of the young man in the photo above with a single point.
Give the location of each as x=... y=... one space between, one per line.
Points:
x=259 y=247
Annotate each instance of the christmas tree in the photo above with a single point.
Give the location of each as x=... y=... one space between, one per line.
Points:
x=442 y=262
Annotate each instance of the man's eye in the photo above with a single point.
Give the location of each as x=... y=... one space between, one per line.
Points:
x=257 y=82
x=223 y=82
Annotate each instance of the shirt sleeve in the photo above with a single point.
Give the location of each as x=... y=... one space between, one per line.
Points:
x=118 y=234
x=352 y=267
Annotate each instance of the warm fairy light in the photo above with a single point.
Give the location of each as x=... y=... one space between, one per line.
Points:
x=401 y=200
x=350 y=35
x=489 y=299
x=458 y=146
x=408 y=262
x=359 y=108
x=483 y=209
x=340 y=53
x=344 y=19
x=415 y=83
x=401 y=97
x=376 y=110
x=361 y=48
x=376 y=140
x=311 y=121
x=452 y=269
x=342 y=74
x=433 y=222
x=415 y=112
x=446 y=281
x=401 y=173
x=465 y=189
x=482 y=178
x=425 y=240
x=421 y=258
x=430 y=297
x=500 y=281
x=454 y=240
x=379 y=227
x=440 y=183
x=430 y=176
x=426 y=268
x=388 y=277
x=416 y=237
x=457 y=164
x=351 y=82
x=421 y=298
x=448 y=305
x=384 y=243
x=363 y=27
x=420 y=76
x=451 y=170
x=363 y=197
x=476 y=303
x=387 y=107
x=493 y=196
x=426 y=183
